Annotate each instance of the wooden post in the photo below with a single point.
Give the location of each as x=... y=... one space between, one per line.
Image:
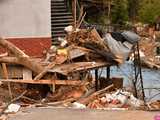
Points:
x=5 y=73
x=53 y=88
x=74 y=11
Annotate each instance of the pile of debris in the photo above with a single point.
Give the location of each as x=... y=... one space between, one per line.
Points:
x=66 y=74
x=148 y=53
x=148 y=46
x=154 y=105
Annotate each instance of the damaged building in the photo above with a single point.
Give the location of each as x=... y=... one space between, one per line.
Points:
x=43 y=45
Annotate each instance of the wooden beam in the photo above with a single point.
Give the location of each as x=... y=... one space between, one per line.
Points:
x=56 y=82
x=5 y=75
x=65 y=69
x=5 y=71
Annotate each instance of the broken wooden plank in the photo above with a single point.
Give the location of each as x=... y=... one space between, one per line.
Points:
x=56 y=82
x=78 y=26
x=5 y=71
x=65 y=69
x=149 y=64
x=96 y=35
x=88 y=99
x=41 y=74
x=72 y=54
x=59 y=60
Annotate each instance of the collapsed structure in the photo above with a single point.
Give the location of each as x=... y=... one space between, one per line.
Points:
x=71 y=70
x=72 y=62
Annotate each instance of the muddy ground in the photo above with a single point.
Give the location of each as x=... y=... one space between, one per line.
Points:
x=77 y=114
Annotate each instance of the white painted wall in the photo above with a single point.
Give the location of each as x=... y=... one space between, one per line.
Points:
x=25 y=18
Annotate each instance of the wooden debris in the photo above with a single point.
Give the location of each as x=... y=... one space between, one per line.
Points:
x=5 y=73
x=78 y=66
x=149 y=64
x=88 y=99
x=50 y=66
x=63 y=102
x=80 y=15
x=90 y=39
x=13 y=100
x=155 y=105
x=21 y=57
x=80 y=22
x=56 y=82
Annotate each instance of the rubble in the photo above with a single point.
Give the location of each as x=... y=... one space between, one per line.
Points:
x=154 y=105
x=65 y=74
x=118 y=99
x=148 y=44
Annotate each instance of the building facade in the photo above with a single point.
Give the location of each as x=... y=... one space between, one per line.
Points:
x=27 y=24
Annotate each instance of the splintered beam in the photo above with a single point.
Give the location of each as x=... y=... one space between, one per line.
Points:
x=56 y=82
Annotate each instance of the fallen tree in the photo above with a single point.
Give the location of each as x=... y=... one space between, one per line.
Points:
x=20 y=57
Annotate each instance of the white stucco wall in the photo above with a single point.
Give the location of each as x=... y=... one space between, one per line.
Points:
x=25 y=18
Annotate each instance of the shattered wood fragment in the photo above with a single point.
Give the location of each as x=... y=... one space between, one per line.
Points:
x=91 y=40
x=62 y=102
x=80 y=15
x=56 y=82
x=80 y=22
x=149 y=64
x=67 y=101
x=41 y=74
x=13 y=100
x=94 y=95
x=59 y=60
x=96 y=35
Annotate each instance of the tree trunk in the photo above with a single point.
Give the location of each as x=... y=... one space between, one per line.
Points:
x=20 y=57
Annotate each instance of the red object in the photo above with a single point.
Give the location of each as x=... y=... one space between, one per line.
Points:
x=33 y=47
x=115 y=102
